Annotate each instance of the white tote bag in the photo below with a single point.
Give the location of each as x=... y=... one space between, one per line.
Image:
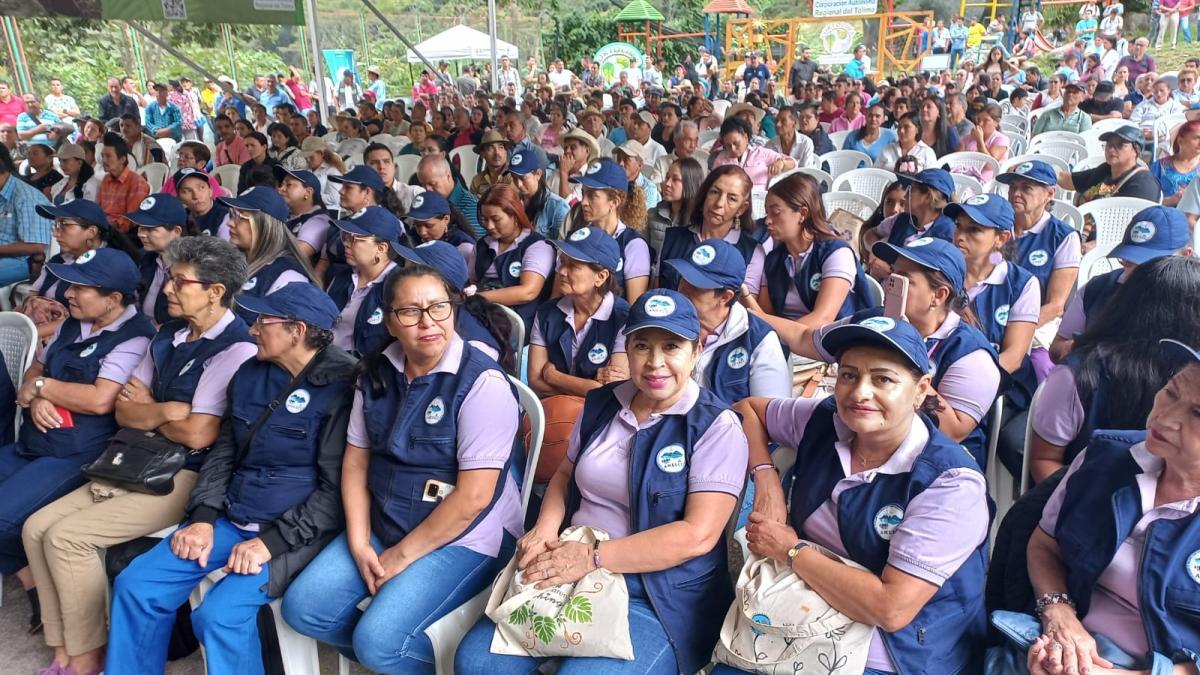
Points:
x=587 y=618
x=777 y=624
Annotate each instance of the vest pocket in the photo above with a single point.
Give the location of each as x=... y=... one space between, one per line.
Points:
x=1184 y=600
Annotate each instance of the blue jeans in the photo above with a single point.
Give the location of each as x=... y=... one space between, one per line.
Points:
x=149 y=591
x=13 y=270
x=651 y=647
x=723 y=669
x=27 y=483
x=1021 y=630
x=389 y=636
x=956 y=54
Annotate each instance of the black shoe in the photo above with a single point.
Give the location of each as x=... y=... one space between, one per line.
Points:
x=35 y=612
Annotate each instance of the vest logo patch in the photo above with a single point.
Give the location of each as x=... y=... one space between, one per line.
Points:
x=977 y=200
x=376 y=317
x=148 y=203
x=436 y=411
x=514 y=268
x=418 y=201
x=620 y=264
x=1142 y=232
x=87 y=255
x=1002 y=315
x=704 y=255
x=597 y=354
x=888 y=520
x=88 y=351
x=814 y=282
x=1193 y=566
x=879 y=324
x=580 y=234
x=297 y=401
x=658 y=306
x=250 y=284
x=671 y=459
x=1038 y=258
x=738 y=358
x=917 y=243
x=187 y=366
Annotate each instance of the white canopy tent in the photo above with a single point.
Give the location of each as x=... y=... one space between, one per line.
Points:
x=461 y=42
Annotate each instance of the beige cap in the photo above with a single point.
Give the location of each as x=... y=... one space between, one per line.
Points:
x=70 y=151
x=492 y=136
x=313 y=145
x=373 y=69
x=648 y=117
x=633 y=149
x=737 y=108
x=584 y=137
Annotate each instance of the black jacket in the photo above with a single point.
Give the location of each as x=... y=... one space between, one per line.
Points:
x=110 y=109
x=299 y=534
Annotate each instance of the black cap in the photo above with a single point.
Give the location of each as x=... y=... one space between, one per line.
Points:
x=1127 y=133
x=1105 y=87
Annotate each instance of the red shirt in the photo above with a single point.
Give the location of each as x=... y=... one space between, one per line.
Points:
x=234 y=152
x=121 y=195
x=11 y=110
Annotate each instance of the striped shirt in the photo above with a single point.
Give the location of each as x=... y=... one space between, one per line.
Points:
x=19 y=220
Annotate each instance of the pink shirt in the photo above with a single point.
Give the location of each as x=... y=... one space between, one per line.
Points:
x=941 y=527
x=756 y=161
x=233 y=152
x=840 y=123
x=11 y=110
x=486 y=425
x=217 y=190
x=119 y=363
x=996 y=140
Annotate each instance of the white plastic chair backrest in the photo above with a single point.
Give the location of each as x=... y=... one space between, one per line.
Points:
x=532 y=406
x=382 y=138
x=1094 y=263
x=1090 y=162
x=1109 y=124
x=709 y=135
x=870 y=182
x=352 y=160
x=1066 y=151
x=1060 y=136
x=170 y=148
x=517 y=335
x=1017 y=144
x=1091 y=140
x=1112 y=216
x=838 y=138
x=351 y=147
x=468 y=161
x=1066 y=212
x=822 y=177
x=999 y=482
x=1026 y=478
x=966 y=186
x=1018 y=121
x=860 y=205
x=781 y=176
x=1056 y=162
x=975 y=160
x=227 y=175
x=18 y=343
x=155 y=174
x=406 y=166
x=841 y=161
x=874 y=290
x=1165 y=130
x=721 y=107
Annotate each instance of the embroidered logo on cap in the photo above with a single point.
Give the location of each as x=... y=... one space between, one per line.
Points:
x=297 y=401
x=87 y=255
x=814 y=282
x=1038 y=258
x=427 y=244
x=598 y=354
x=147 y=204
x=435 y=411
x=659 y=306
x=977 y=200
x=1002 y=315
x=250 y=284
x=738 y=358
x=187 y=366
x=887 y=520
x=418 y=201
x=593 y=168
x=580 y=234
x=88 y=351
x=1142 y=232
x=879 y=324
x=514 y=269
x=376 y=317
x=1193 y=566
x=671 y=459
x=917 y=243
x=1025 y=167
x=704 y=255
x=517 y=159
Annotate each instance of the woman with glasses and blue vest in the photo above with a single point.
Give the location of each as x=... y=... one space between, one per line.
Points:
x=266 y=501
x=877 y=482
x=513 y=265
x=658 y=463
x=928 y=193
x=358 y=289
x=430 y=486
x=967 y=373
x=178 y=390
x=258 y=227
x=811 y=276
x=606 y=188
x=1154 y=232
x=721 y=210
x=1115 y=561
x=69 y=393
x=160 y=220
x=1110 y=377
x=429 y=218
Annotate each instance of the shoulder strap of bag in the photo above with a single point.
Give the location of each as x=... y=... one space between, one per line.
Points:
x=274 y=405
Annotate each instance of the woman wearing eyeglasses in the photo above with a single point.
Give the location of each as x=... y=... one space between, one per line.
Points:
x=266 y=501
x=177 y=390
x=432 y=507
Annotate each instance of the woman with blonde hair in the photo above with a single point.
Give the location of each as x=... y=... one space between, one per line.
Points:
x=607 y=194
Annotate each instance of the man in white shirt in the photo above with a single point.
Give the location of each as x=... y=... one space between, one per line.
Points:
x=560 y=77
x=687 y=144
x=654 y=72
x=508 y=75
x=59 y=103
x=1159 y=104
x=643 y=125
x=1031 y=20
x=788 y=142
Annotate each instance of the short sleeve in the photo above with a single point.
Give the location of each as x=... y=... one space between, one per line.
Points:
x=121 y=361
x=1069 y=252
x=145 y=369
x=288 y=277
x=636 y=259
x=1053 y=507
x=720 y=457
x=356 y=430
x=840 y=264
x=1028 y=305
x=1059 y=415
x=970 y=384
x=539 y=259
x=1074 y=320
x=787 y=418
x=942 y=527
x=210 y=395
x=487 y=423
x=755 y=269
x=535 y=334
x=1084 y=180
x=1190 y=202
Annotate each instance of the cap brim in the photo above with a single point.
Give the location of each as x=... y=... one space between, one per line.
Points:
x=51 y=212
x=72 y=274
x=693 y=274
x=351 y=227
x=239 y=204
x=257 y=304
x=143 y=219
x=1136 y=254
x=1177 y=348
x=590 y=182
x=840 y=338
x=572 y=251
x=410 y=254
x=890 y=253
x=1008 y=178
x=630 y=329
x=976 y=214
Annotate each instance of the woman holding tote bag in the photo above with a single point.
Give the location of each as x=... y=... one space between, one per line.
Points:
x=658 y=464
x=881 y=486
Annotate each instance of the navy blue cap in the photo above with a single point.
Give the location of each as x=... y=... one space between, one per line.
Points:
x=441 y=256
x=880 y=331
x=1154 y=232
x=101 y=268
x=361 y=175
x=665 y=309
x=524 y=163
x=1035 y=170
x=303 y=175
x=428 y=205
x=374 y=221
x=592 y=245
x=297 y=301
x=603 y=174
x=259 y=198
x=938 y=179
x=184 y=174
x=936 y=254
x=713 y=264
x=1184 y=352
x=988 y=210
x=159 y=210
x=79 y=209
x=1127 y=133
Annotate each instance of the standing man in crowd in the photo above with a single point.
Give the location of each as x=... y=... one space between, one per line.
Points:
x=376 y=84
x=755 y=69
x=803 y=70
x=163 y=118
x=11 y=106
x=61 y=104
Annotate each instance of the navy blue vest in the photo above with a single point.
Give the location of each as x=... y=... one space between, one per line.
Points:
x=370 y=329
x=728 y=372
x=210 y=223
x=947 y=635
x=335 y=253
x=689 y=599
x=595 y=349
x=60 y=291
x=807 y=279
x=1101 y=505
x=296 y=223
x=79 y=362
x=992 y=306
x=1097 y=292
x=8 y=404
x=624 y=238
x=508 y=272
x=258 y=285
x=1035 y=252
x=412 y=427
x=905 y=226
x=471 y=329
x=148 y=267
x=679 y=242
x=277 y=467
x=457 y=237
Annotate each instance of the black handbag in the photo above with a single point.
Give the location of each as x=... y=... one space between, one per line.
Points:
x=139 y=461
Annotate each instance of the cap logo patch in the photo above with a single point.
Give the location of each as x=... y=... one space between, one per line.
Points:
x=435 y=411
x=671 y=459
x=580 y=234
x=620 y=264
x=297 y=401
x=917 y=243
x=597 y=354
x=514 y=269
x=1038 y=258
x=593 y=168
x=250 y=284
x=658 y=306
x=517 y=159
x=147 y=204
x=704 y=255
x=1193 y=566
x=418 y=201
x=879 y=324
x=1025 y=167
x=91 y=349
x=1142 y=232
x=888 y=520
x=87 y=255
x=977 y=200
x=427 y=244
x=1002 y=315
x=376 y=317
x=187 y=366
x=738 y=358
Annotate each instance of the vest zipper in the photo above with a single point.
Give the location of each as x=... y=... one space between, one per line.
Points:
x=633 y=528
x=1142 y=604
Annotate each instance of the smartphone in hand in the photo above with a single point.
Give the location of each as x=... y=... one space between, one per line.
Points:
x=895 y=296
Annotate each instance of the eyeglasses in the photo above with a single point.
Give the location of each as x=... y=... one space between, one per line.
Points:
x=179 y=281
x=411 y=316
x=270 y=321
x=60 y=224
x=349 y=238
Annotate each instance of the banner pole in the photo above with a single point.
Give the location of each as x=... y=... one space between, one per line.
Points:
x=227 y=33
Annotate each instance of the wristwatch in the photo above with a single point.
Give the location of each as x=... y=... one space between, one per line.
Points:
x=795 y=551
x=37 y=386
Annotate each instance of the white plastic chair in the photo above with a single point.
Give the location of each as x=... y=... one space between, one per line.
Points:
x=1112 y=216
x=1068 y=152
x=1000 y=482
x=976 y=160
x=720 y=107
x=709 y=136
x=468 y=164
x=1095 y=263
x=18 y=343
x=518 y=335
x=406 y=166
x=841 y=161
x=860 y=205
x=870 y=182
x=170 y=148
x=875 y=290
x=298 y=653
x=1085 y=163
x=822 y=177
x=382 y=138
x=1091 y=140
x=758 y=204
x=1048 y=136
x=1026 y=477
x=778 y=177
x=227 y=175
x=155 y=174
x=1017 y=144
x=966 y=186
x=1165 y=130
x=1019 y=122
x=1067 y=212
x=352 y=147
x=1109 y=124
x=1056 y=162
x=838 y=138
x=397 y=144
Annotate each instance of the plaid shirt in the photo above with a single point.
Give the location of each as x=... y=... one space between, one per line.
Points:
x=19 y=220
x=121 y=195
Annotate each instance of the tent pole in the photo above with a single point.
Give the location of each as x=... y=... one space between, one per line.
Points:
x=318 y=63
x=396 y=31
x=492 y=36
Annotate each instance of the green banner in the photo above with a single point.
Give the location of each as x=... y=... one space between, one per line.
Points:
x=279 y=12
x=832 y=42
